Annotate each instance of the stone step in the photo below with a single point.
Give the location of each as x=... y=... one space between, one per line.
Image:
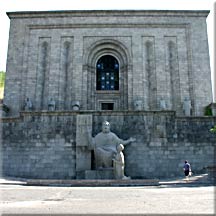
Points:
x=93 y=183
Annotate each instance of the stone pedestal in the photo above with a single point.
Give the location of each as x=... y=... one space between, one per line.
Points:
x=83 y=155
x=99 y=174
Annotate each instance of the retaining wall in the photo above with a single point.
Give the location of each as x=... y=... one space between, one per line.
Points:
x=43 y=144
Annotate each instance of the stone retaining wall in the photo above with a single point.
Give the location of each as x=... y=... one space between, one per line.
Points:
x=43 y=144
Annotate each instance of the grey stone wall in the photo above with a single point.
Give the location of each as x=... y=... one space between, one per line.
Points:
x=43 y=144
x=69 y=75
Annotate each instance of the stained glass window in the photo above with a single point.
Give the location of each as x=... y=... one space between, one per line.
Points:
x=107 y=73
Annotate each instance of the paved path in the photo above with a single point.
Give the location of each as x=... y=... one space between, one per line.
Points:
x=173 y=196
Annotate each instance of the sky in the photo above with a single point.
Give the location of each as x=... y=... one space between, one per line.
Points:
x=44 y=5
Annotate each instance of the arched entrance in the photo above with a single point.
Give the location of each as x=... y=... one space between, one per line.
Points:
x=106 y=71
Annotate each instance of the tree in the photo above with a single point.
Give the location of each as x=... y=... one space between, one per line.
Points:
x=2 y=79
x=213 y=130
x=2 y=83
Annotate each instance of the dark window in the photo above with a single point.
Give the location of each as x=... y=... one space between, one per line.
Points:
x=107 y=73
x=107 y=106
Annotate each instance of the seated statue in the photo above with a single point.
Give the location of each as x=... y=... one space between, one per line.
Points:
x=76 y=105
x=163 y=105
x=28 y=104
x=187 y=107
x=51 y=105
x=119 y=163
x=104 y=145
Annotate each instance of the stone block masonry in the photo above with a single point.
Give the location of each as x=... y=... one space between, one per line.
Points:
x=148 y=68
x=162 y=56
x=40 y=146
x=43 y=144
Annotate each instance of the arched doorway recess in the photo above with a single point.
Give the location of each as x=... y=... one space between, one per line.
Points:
x=113 y=54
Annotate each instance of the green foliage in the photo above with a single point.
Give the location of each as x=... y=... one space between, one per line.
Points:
x=208 y=111
x=2 y=83
x=213 y=130
x=2 y=79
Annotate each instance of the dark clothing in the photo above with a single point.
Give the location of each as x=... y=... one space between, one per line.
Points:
x=187 y=169
x=186 y=172
x=187 y=166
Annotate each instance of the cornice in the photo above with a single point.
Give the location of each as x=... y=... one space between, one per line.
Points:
x=108 y=13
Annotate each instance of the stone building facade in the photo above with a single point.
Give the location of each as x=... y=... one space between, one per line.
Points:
x=146 y=72
x=160 y=57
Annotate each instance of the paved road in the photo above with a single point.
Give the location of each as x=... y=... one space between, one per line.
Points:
x=163 y=199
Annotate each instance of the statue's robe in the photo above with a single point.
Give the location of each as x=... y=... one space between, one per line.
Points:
x=105 y=149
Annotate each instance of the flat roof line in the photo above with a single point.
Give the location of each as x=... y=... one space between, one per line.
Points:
x=60 y=13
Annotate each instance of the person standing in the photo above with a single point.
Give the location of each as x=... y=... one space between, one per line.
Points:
x=187 y=170
x=119 y=163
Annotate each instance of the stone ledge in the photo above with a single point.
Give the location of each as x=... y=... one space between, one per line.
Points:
x=108 y=13
x=92 y=183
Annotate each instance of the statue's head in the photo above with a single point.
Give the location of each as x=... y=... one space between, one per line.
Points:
x=120 y=148
x=106 y=127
